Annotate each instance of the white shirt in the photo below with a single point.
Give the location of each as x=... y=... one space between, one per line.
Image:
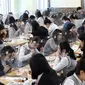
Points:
x=28 y=28
x=13 y=33
x=40 y=20
x=60 y=64
x=51 y=28
x=64 y=63
x=71 y=82
x=22 y=56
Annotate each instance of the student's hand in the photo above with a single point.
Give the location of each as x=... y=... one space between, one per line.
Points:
x=7 y=68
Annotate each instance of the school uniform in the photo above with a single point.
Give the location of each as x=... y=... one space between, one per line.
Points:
x=73 y=80
x=50 y=47
x=65 y=64
x=13 y=33
x=25 y=53
x=40 y=21
x=52 y=28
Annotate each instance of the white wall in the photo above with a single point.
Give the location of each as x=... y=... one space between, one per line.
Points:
x=65 y=3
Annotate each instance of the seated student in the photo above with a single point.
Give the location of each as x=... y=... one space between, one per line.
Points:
x=42 y=32
x=80 y=13
x=9 y=54
x=65 y=59
x=41 y=71
x=35 y=27
x=78 y=78
x=71 y=33
x=81 y=29
x=7 y=19
x=51 y=45
x=50 y=26
x=6 y=59
x=66 y=21
x=26 y=51
x=40 y=18
x=32 y=18
x=13 y=31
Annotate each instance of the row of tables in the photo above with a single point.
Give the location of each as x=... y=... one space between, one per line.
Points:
x=23 y=73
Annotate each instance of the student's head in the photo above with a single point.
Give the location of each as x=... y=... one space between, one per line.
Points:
x=32 y=17
x=11 y=20
x=25 y=17
x=38 y=14
x=35 y=25
x=47 y=22
x=39 y=65
x=10 y=14
x=26 y=11
x=65 y=18
x=65 y=47
x=34 y=42
x=70 y=27
x=7 y=53
x=80 y=69
x=58 y=36
x=79 y=9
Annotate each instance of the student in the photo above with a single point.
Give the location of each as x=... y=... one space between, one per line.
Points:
x=81 y=29
x=13 y=31
x=50 y=26
x=35 y=27
x=80 y=13
x=26 y=51
x=78 y=77
x=66 y=21
x=10 y=58
x=41 y=71
x=42 y=32
x=71 y=33
x=32 y=18
x=51 y=45
x=65 y=59
x=8 y=16
x=40 y=18
x=6 y=59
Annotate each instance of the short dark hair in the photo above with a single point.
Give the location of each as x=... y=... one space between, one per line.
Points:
x=65 y=18
x=47 y=21
x=79 y=8
x=7 y=49
x=80 y=66
x=32 y=17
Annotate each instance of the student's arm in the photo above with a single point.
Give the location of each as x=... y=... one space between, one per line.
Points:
x=62 y=64
x=22 y=56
